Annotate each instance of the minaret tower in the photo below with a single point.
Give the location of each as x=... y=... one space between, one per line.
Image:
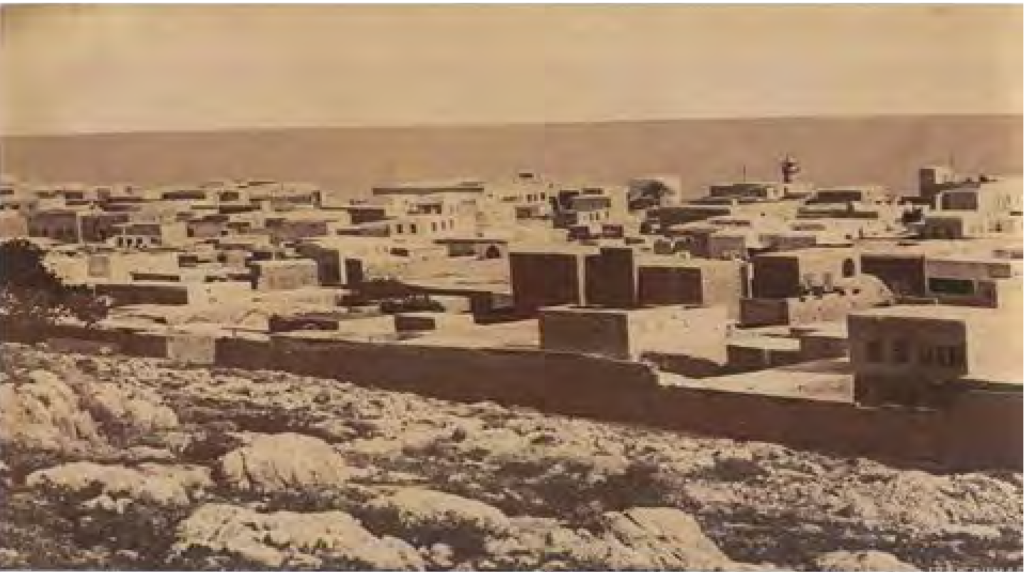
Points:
x=790 y=168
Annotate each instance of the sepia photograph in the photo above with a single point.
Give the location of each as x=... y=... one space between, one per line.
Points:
x=488 y=287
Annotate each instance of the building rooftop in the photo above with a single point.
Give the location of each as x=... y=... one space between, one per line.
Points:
x=826 y=380
x=813 y=252
x=832 y=329
x=552 y=248
x=285 y=262
x=774 y=343
x=935 y=312
x=461 y=185
x=520 y=334
x=674 y=261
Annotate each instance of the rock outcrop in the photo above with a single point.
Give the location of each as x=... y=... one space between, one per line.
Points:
x=284 y=462
x=113 y=486
x=860 y=561
x=636 y=539
x=240 y=537
x=427 y=516
x=43 y=412
x=121 y=408
x=659 y=539
x=523 y=490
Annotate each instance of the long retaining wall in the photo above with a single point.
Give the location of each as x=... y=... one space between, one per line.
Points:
x=564 y=382
x=977 y=430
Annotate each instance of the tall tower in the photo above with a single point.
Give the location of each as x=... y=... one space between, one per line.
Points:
x=790 y=168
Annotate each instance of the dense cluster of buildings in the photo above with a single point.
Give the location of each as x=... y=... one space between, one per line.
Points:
x=904 y=291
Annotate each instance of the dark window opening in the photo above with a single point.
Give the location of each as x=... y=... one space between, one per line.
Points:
x=951 y=286
x=950 y=356
x=957 y=356
x=849 y=268
x=874 y=351
x=926 y=356
x=900 y=351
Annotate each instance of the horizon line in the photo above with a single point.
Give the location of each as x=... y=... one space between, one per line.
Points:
x=498 y=124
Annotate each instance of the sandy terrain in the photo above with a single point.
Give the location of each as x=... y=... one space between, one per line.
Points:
x=131 y=463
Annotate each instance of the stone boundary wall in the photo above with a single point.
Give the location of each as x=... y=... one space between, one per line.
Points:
x=559 y=382
x=977 y=430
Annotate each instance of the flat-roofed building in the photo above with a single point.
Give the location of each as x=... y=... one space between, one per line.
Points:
x=993 y=195
x=863 y=194
x=769 y=191
x=109 y=265
x=670 y=280
x=846 y=295
x=100 y=226
x=297 y=225
x=57 y=224
x=627 y=334
x=974 y=280
x=933 y=179
x=977 y=208
x=150 y=234
x=428 y=225
x=794 y=272
x=901 y=269
x=13 y=224
x=288 y=274
x=339 y=258
x=548 y=276
x=924 y=355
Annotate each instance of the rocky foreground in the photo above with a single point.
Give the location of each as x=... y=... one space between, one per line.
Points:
x=113 y=462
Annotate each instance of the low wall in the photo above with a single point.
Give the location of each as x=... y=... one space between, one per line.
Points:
x=978 y=429
x=563 y=382
x=166 y=293
x=836 y=427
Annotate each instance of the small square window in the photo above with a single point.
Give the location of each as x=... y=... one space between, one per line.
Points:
x=957 y=356
x=874 y=351
x=900 y=351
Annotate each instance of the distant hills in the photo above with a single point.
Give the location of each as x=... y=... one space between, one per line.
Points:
x=885 y=150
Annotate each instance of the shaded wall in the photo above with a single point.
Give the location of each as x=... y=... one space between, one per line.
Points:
x=975 y=430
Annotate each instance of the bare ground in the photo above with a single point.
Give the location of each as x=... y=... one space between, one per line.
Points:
x=526 y=485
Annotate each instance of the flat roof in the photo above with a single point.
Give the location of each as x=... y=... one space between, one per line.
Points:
x=470 y=239
x=284 y=262
x=979 y=258
x=826 y=380
x=518 y=334
x=811 y=252
x=671 y=261
x=832 y=329
x=764 y=342
x=935 y=312
x=552 y=248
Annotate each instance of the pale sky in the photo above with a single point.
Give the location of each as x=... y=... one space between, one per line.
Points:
x=109 y=68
